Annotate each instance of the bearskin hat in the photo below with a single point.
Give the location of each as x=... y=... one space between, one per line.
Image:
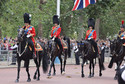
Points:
x=55 y=19
x=91 y=22
x=122 y=26
x=27 y=18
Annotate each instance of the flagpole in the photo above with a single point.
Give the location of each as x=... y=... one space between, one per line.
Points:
x=58 y=8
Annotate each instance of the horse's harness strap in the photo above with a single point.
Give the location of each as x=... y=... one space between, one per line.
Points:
x=20 y=54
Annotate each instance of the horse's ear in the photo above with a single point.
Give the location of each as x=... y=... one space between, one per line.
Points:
x=97 y=40
x=110 y=41
x=77 y=41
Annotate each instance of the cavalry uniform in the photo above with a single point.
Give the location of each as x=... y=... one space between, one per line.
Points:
x=56 y=33
x=121 y=34
x=30 y=32
x=91 y=34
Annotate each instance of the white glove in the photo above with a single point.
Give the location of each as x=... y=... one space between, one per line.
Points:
x=121 y=38
x=28 y=36
x=53 y=38
x=89 y=38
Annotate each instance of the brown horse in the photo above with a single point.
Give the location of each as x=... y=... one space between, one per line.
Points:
x=53 y=51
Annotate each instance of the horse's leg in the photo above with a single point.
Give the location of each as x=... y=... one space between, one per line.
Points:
x=116 y=76
x=51 y=65
x=100 y=66
x=54 y=70
x=60 y=63
x=83 y=61
x=18 y=69
x=65 y=57
x=90 y=69
x=93 y=64
x=34 y=77
x=37 y=70
x=27 y=70
x=118 y=67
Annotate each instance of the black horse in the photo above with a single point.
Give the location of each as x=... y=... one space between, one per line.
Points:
x=53 y=51
x=121 y=75
x=88 y=53
x=24 y=53
x=118 y=52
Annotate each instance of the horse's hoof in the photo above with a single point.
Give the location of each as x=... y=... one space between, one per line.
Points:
x=54 y=74
x=38 y=79
x=17 y=80
x=34 y=77
x=92 y=75
x=100 y=74
x=89 y=76
x=49 y=74
x=63 y=72
x=115 y=78
x=82 y=75
x=28 y=80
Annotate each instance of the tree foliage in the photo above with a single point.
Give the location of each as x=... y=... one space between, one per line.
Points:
x=111 y=12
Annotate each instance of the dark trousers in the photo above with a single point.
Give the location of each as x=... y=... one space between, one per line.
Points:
x=31 y=44
x=94 y=44
x=77 y=58
x=58 y=41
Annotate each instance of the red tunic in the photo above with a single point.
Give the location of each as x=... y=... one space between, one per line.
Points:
x=56 y=31
x=31 y=30
x=93 y=34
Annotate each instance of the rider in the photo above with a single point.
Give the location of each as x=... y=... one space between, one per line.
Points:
x=30 y=31
x=121 y=34
x=55 y=33
x=91 y=34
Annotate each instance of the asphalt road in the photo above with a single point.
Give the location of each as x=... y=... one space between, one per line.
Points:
x=72 y=76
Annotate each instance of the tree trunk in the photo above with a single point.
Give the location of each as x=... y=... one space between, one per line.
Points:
x=80 y=33
x=40 y=29
x=97 y=27
x=40 y=24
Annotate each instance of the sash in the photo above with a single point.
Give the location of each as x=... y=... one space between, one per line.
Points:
x=90 y=34
x=26 y=31
x=55 y=30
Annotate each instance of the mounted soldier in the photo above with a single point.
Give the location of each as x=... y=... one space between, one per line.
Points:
x=55 y=33
x=30 y=31
x=91 y=34
x=121 y=33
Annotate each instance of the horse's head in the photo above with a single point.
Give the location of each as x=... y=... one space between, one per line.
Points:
x=20 y=34
x=82 y=45
x=113 y=46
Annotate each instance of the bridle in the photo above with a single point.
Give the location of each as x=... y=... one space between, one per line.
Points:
x=21 y=33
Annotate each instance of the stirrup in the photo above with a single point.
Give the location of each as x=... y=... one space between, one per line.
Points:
x=34 y=55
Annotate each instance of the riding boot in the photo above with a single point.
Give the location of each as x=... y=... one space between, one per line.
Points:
x=96 y=51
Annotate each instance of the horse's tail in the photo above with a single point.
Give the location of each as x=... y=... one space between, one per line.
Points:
x=45 y=61
x=111 y=63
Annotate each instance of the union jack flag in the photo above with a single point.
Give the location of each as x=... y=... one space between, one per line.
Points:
x=79 y=4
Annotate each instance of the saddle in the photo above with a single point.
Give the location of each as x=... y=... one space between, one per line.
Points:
x=37 y=47
x=64 y=44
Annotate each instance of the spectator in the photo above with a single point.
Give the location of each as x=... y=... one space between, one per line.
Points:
x=76 y=54
x=14 y=48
